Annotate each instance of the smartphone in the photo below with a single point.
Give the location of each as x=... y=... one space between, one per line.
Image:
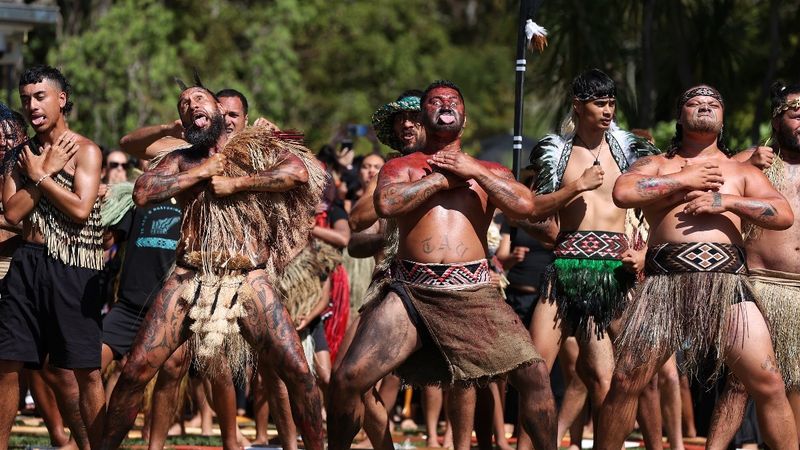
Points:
x=357 y=130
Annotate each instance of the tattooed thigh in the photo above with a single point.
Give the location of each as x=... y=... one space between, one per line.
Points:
x=165 y=327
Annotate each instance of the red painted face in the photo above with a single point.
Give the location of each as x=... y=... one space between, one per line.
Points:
x=443 y=110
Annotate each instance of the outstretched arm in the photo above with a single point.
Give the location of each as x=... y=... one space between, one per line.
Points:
x=545 y=231
x=166 y=180
x=642 y=186
x=147 y=142
x=397 y=195
x=289 y=173
x=367 y=243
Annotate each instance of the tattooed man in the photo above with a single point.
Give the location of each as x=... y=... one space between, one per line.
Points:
x=696 y=293
x=209 y=274
x=773 y=258
x=442 y=321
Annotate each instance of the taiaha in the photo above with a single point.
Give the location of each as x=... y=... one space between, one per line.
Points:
x=535 y=36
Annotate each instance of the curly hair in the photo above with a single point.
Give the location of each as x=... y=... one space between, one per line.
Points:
x=41 y=72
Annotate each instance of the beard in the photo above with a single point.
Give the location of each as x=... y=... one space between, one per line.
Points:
x=704 y=124
x=206 y=137
x=788 y=139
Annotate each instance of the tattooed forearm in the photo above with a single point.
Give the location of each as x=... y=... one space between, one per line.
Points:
x=399 y=198
x=509 y=196
x=652 y=187
x=756 y=211
x=274 y=181
x=154 y=188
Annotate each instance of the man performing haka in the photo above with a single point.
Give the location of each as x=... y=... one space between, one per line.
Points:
x=50 y=297
x=237 y=232
x=696 y=293
x=587 y=285
x=442 y=321
x=774 y=262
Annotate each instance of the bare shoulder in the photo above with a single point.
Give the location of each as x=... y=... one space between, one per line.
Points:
x=88 y=151
x=647 y=164
x=165 y=144
x=744 y=155
x=399 y=167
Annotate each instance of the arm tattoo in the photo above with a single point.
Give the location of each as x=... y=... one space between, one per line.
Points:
x=157 y=188
x=716 y=200
x=757 y=210
x=400 y=198
x=652 y=187
x=500 y=191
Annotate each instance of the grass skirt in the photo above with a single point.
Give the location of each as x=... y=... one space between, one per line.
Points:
x=779 y=293
x=689 y=311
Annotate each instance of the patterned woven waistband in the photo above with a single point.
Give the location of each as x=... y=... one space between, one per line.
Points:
x=695 y=257
x=441 y=275
x=591 y=245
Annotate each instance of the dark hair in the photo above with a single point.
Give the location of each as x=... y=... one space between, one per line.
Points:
x=592 y=84
x=779 y=91
x=234 y=93
x=439 y=84
x=410 y=93
x=41 y=72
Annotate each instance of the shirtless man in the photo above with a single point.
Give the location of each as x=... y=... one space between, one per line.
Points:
x=695 y=198
x=443 y=201
x=147 y=143
x=266 y=325
x=774 y=262
x=50 y=294
x=595 y=266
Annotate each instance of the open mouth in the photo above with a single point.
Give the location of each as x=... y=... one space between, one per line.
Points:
x=446 y=117
x=200 y=120
x=38 y=120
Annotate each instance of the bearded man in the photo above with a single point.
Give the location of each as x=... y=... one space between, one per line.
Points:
x=238 y=198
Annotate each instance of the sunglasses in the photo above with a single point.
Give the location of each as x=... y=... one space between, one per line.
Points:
x=114 y=165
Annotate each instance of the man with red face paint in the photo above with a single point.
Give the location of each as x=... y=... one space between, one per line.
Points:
x=442 y=320
x=241 y=283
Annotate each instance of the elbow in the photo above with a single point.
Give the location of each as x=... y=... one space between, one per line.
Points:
x=140 y=197
x=80 y=216
x=383 y=209
x=12 y=218
x=621 y=200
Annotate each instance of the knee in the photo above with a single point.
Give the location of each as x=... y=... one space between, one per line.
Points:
x=669 y=380
x=534 y=379
x=346 y=380
x=628 y=384
x=88 y=377
x=136 y=374
x=592 y=376
x=768 y=386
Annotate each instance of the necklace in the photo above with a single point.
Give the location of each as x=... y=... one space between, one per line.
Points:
x=592 y=150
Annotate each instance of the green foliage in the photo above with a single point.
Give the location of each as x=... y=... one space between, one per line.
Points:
x=316 y=65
